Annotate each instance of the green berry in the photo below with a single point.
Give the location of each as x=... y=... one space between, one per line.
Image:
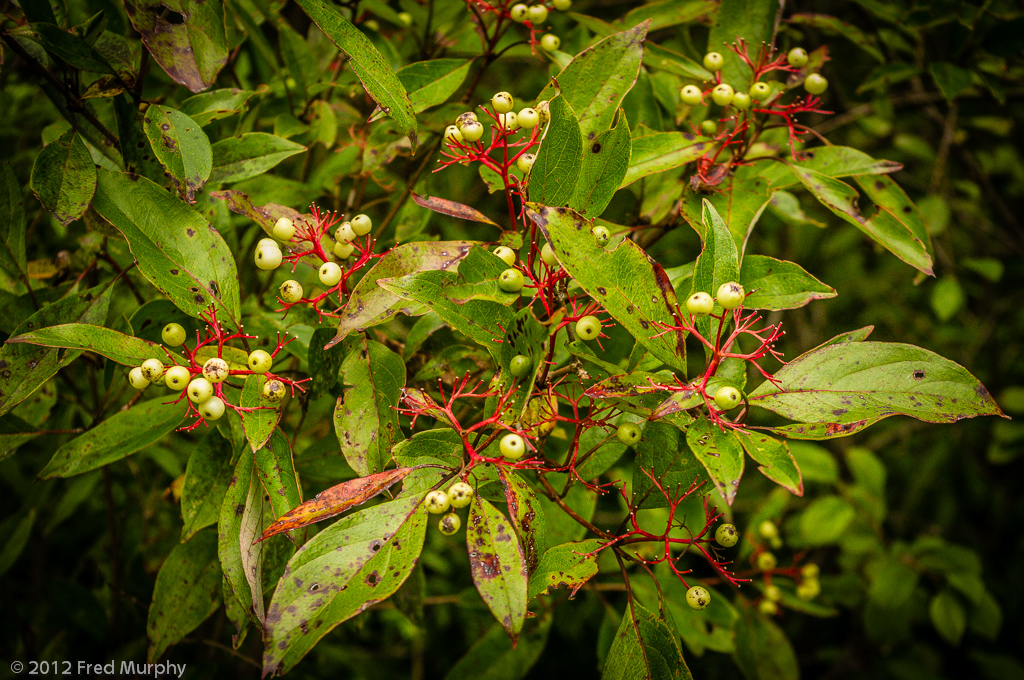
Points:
x=343 y=249
x=544 y=111
x=691 y=95
x=268 y=257
x=520 y=366
x=284 y=229
x=267 y=242
x=525 y=162
x=449 y=524
x=700 y=304
x=511 y=280
x=502 y=103
x=773 y=593
x=460 y=494
x=760 y=91
x=344 y=232
x=810 y=571
x=768 y=608
x=152 y=369
x=519 y=12
x=547 y=253
x=537 y=14
x=452 y=134
x=176 y=378
x=727 y=398
x=260 y=361
x=698 y=597
x=136 y=379
x=797 y=57
x=361 y=225
x=709 y=127
x=372 y=25
x=274 y=390
x=723 y=94
x=808 y=589
x=816 y=83
x=512 y=446
x=726 y=535
x=472 y=131
x=562 y=5
x=730 y=295
x=713 y=61
x=766 y=561
x=550 y=42
x=405 y=18
x=464 y=118
x=506 y=254
x=436 y=502
x=216 y=370
x=767 y=530
x=330 y=274
x=291 y=291
x=212 y=408
x=601 y=235
x=508 y=121
x=741 y=100
x=173 y=335
x=628 y=434
x=199 y=390
x=588 y=328
x=528 y=119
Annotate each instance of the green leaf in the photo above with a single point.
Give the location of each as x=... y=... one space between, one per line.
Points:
x=175 y=247
x=739 y=203
x=298 y=58
x=206 y=481
x=368 y=64
x=952 y=80
x=570 y=564
x=432 y=82
x=123 y=349
x=631 y=286
x=660 y=455
x=249 y=155
x=825 y=520
x=892 y=582
x=260 y=423
x=359 y=560
x=181 y=146
x=64 y=177
x=557 y=166
x=68 y=47
x=604 y=165
x=12 y=222
x=324 y=364
x=368 y=304
x=645 y=646
x=528 y=516
x=777 y=284
x=193 y=51
x=653 y=152
x=885 y=227
x=216 y=104
x=115 y=438
x=717 y=264
x=239 y=525
x=662 y=59
x=497 y=564
x=775 y=460
x=834 y=161
x=948 y=616
x=26 y=367
x=839 y=389
x=751 y=20
x=365 y=418
x=16 y=540
x=186 y=593
x=596 y=80
x=763 y=652
x=894 y=202
x=720 y=453
x=276 y=470
x=493 y=657
x=833 y=26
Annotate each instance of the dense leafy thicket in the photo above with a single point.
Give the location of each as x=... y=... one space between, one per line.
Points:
x=452 y=338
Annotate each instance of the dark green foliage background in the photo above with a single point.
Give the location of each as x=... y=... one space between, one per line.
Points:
x=81 y=586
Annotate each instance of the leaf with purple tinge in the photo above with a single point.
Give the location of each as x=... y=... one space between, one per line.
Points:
x=451 y=208
x=497 y=564
x=193 y=51
x=528 y=513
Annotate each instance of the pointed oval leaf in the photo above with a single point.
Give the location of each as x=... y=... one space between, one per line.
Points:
x=193 y=51
x=776 y=462
x=451 y=208
x=557 y=165
x=64 y=177
x=181 y=146
x=248 y=155
x=570 y=564
x=777 y=284
x=720 y=453
x=258 y=424
x=653 y=152
x=604 y=164
x=497 y=564
x=123 y=349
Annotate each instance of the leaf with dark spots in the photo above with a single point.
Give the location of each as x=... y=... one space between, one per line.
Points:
x=181 y=146
x=602 y=169
x=276 y=470
x=652 y=152
x=528 y=513
x=638 y=291
x=498 y=567
x=720 y=453
x=451 y=208
x=637 y=392
x=359 y=560
x=840 y=388
x=368 y=304
x=569 y=564
x=240 y=521
x=335 y=500
x=123 y=349
x=553 y=177
x=64 y=177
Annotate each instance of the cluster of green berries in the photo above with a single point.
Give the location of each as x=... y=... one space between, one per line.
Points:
x=729 y=296
x=268 y=254
x=468 y=128
x=459 y=495
x=724 y=95
x=808 y=588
